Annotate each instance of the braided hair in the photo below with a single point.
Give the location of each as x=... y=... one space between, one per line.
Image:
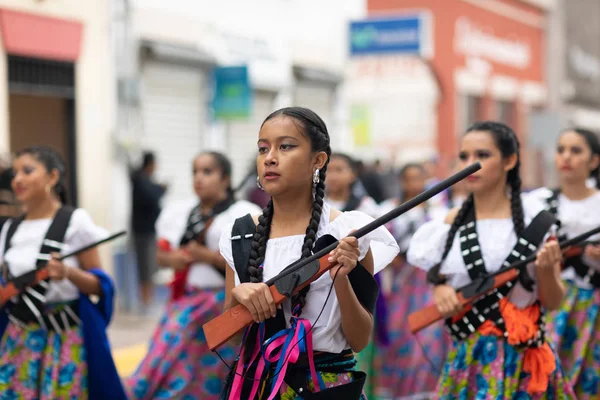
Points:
x=52 y=161
x=315 y=129
x=592 y=141
x=507 y=142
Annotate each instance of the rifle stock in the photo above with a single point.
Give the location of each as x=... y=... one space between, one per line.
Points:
x=10 y=290
x=223 y=328
x=429 y=315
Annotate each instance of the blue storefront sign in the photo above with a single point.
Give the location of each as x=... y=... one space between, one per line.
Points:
x=399 y=35
x=232 y=99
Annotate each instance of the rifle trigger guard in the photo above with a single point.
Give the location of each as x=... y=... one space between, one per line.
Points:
x=289 y=283
x=478 y=287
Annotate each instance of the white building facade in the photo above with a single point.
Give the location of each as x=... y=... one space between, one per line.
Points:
x=56 y=88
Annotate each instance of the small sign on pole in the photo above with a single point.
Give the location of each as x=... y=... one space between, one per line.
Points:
x=232 y=99
x=406 y=34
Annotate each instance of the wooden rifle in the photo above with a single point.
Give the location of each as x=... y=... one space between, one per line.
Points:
x=32 y=278
x=301 y=273
x=578 y=249
x=485 y=284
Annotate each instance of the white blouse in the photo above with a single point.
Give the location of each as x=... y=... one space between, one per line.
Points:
x=280 y=252
x=400 y=227
x=27 y=240
x=171 y=225
x=576 y=217
x=367 y=205
x=496 y=237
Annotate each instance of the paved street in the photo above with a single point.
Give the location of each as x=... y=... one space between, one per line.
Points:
x=129 y=336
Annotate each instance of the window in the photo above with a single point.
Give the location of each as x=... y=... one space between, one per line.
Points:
x=471 y=110
x=505 y=112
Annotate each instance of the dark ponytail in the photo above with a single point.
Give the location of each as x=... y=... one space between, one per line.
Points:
x=52 y=161
x=594 y=144
x=315 y=129
x=507 y=142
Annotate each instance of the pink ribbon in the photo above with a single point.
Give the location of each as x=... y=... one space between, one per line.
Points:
x=284 y=348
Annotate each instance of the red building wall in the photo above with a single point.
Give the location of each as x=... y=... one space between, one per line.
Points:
x=510 y=20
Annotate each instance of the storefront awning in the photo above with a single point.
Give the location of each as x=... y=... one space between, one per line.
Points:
x=31 y=35
x=177 y=53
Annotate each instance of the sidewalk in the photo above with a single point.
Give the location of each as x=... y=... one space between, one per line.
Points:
x=129 y=332
x=129 y=338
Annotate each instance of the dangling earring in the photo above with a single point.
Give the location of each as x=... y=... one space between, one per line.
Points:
x=258 y=183
x=316 y=177
x=48 y=188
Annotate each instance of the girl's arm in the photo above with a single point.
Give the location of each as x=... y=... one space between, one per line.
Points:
x=177 y=259
x=163 y=258
x=256 y=297
x=357 y=322
x=203 y=254
x=551 y=289
x=85 y=281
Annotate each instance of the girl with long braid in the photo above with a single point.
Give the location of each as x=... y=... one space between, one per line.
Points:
x=179 y=363
x=575 y=326
x=330 y=318
x=53 y=336
x=499 y=349
x=410 y=365
x=341 y=178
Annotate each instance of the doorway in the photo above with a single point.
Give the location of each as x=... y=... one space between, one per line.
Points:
x=42 y=110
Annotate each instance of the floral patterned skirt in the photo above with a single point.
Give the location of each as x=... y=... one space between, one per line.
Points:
x=179 y=364
x=411 y=364
x=40 y=364
x=488 y=368
x=367 y=362
x=575 y=333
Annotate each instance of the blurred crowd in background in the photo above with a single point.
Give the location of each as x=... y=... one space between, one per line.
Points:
x=129 y=91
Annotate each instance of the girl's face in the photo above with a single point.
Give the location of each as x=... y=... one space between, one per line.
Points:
x=209 y=183
x=32 y=182
x=340 y=175
x=285 y=160
x=412 y=181
x=574 y=159
x=480 y=146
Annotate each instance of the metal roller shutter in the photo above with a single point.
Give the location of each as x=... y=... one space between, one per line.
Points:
x=319 y=98
x=244 y=134
x=174 y=122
